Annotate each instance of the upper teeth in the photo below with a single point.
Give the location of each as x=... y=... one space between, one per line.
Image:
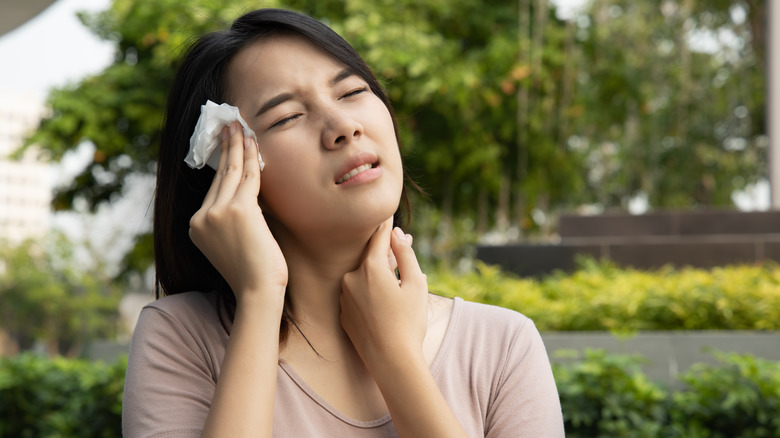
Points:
x=353 y=172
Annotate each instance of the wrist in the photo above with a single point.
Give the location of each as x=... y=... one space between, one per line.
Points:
x=402 y=367
x=270 y=298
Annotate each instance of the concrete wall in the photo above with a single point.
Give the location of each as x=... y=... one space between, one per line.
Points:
x=669 y=353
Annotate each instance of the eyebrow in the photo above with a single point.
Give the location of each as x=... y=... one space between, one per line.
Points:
x=343 y=74
x=274 y=101
x=284 y=97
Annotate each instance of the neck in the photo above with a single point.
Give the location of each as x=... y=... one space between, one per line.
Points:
x=316 y=268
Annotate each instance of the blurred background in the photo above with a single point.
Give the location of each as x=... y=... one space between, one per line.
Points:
x=516 y=117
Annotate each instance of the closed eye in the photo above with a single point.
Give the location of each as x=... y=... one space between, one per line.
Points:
x=355 y=92
x=284 y=121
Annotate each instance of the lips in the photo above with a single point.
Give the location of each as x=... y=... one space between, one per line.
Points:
x=355 y=165
x=353 y=172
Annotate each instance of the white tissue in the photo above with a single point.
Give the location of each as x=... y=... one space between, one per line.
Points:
x=205 y=141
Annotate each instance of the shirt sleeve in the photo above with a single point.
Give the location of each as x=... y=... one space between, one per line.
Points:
x=169 y=383
x=526 y=403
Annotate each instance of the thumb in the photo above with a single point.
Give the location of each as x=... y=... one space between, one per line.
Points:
x=408 y=266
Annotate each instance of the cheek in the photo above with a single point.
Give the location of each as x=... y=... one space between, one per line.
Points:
x=281 y=199
x=287 y=184
x=284 y=156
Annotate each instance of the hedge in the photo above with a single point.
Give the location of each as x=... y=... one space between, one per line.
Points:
x=600 y=296
x=602 y=395
x=60 y=398
x=606 y=395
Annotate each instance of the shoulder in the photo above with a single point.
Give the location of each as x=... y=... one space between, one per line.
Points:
x=500 y=315
x=185 y=303
x=187 y=309
x=497 y=358
x=194 y=319
x=492 y=337
x=488 y=320
x=173 y=365
x=489 y=335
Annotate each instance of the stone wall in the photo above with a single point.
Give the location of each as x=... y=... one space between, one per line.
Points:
x=703 y=239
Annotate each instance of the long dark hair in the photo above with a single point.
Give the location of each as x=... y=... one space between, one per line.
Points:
x=179 y=264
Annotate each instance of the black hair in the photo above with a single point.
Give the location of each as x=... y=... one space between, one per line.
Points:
x=179 y=264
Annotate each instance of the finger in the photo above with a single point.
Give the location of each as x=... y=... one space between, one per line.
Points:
x=379 y=244
x=211 y=195
x=408 y=266
x=234 y=167
x=250 y=180
x=391 y=261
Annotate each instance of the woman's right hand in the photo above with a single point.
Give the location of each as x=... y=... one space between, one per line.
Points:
x=229 y=228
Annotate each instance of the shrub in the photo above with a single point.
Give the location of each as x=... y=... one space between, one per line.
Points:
x=48 y=398
x=600 y=296
x=607 y=395
x=739 y=398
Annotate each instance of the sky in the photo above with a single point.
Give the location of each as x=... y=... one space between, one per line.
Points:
x=52 y=49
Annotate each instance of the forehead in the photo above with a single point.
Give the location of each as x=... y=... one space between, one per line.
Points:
x=279 y=61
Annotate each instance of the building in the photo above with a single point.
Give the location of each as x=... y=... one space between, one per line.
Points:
x=25 y=184
x=17 y=12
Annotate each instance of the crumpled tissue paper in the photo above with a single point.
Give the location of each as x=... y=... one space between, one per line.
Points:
x=205 y=141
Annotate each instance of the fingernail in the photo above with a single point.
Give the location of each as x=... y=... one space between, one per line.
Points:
x=247 y=142
x=224 y=135
x=400 y=234
x=409 y=238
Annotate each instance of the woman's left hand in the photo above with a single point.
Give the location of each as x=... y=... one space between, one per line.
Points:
x=386 y=319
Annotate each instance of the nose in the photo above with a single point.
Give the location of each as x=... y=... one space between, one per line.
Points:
x=340 y=129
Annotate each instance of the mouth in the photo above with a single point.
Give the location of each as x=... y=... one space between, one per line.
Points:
x=354 y=172
x=356 y=166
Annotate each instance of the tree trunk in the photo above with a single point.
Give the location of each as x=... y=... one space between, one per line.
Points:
x=525 y=57
x=9 y=346
x=567 y=85
x=482 y=210
x=52 y=347
x=502 y=212
x=445 y=227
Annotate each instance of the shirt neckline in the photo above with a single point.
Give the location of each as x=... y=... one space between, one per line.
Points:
x=435 y=366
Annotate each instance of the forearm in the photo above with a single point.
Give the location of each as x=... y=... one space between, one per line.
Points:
x=416 y=403
x=243 y=402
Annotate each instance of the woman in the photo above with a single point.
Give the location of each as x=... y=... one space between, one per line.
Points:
x=283 y=315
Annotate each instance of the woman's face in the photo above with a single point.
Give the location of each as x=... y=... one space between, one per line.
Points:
x=332 y=158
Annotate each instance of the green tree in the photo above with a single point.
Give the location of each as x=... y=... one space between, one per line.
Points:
x=120 y=110
x=507 y=112
x=45 y=296
x=668 y=118
x=457 y=72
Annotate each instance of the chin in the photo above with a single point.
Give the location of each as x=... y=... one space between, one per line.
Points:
x=375 y=219
x=366 y=220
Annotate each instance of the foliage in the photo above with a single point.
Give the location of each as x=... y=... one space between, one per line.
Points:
x=57 y=398
x=606 y=395
x=45 y=296
x=505 y=109
x=600 y=296
x=740 y=398
x=672 y=119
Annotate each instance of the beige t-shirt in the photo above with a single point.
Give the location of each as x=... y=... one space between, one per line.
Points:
x=491 y=368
